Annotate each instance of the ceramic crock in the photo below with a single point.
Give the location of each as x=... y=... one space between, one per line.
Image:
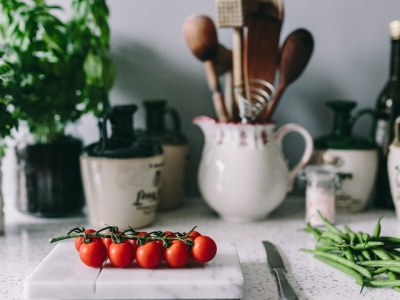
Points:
x=348 y=153
x=175 y=148
x=122 y=174
x=243 y=174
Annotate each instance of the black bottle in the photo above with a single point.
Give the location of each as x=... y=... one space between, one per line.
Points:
x=388 y=109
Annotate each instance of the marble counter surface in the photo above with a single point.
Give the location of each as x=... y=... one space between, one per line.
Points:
x=25 y=244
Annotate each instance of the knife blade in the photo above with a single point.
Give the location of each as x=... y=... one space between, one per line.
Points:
x=275 y=262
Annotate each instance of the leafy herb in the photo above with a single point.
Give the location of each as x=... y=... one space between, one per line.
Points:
x=52 y=72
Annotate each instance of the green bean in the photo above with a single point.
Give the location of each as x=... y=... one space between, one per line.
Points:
x=380 y=263
x=377 y=229
x=315 y=231
x=389 y=240
x=393 y=276
x=326 y=242
x=382 y=254
x=360 y=257
x=345 y=269
x=349 y=254
x=392 y=283
x=360 y=236
x=366 y=254
x=341 y=260
x=329 y=225
x=366 y=245
x=379 y=271
x=326 y=248
x=352 y=237
x=394 y=254
x=394 y=269
x=333 y=236
x=366 y=237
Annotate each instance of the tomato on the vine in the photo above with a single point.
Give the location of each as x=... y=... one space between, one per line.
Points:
x=177 y=255
x=204 y=248
x=93 y=254
x=149 y=255
x=79 y=240
x=122 y=254
x=134 y=241
x=193 y=234
x=166 y=234
x=169 y=234
x=108 y=240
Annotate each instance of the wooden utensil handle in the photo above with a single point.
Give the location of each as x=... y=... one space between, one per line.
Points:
x=215 y=87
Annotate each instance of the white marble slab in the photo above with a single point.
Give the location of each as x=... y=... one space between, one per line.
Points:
x=62 y=274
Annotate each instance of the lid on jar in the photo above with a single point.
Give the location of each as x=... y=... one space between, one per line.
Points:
x=319 y=173
x=394 y=28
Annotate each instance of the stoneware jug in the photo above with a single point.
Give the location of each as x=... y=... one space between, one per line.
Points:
x=393 y=167
x=175 y=148
x=243 y=174
x=122 y=174
x=349 y=153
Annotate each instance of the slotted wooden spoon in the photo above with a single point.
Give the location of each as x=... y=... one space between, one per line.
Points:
x=261 y=50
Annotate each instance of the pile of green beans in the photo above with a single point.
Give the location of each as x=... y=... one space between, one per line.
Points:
x=372 y=260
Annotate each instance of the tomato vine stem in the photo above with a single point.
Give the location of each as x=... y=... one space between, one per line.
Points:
x=129 y=234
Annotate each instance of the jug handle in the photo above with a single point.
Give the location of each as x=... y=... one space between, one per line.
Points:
x=308 y=149
x=359 y=114
x=102 y=124
x=176 y=120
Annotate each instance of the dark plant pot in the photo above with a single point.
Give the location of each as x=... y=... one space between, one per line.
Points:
x=49 y=180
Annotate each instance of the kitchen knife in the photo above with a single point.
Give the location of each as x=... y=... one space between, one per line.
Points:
x=276 y=264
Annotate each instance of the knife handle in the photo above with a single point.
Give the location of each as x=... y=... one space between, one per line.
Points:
x=285 y=289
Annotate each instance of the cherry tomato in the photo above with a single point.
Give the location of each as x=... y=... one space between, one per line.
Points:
x=204 y=248
x=122 y=254
x=168 y=234
x=108 y=241
x=134 y=242
x=177 y=255
x=79 y=240
x=149 y=255
x=193 y=235
x=93 y=254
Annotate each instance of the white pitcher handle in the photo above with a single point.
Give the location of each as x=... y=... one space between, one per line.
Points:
x=308 y=149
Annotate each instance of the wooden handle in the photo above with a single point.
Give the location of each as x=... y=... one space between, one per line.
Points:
x=215 y=87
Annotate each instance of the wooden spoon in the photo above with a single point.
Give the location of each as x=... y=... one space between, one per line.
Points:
x=295 y=54
x=201 y=37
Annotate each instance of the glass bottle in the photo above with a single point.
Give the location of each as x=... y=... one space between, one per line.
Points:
x=388 y=108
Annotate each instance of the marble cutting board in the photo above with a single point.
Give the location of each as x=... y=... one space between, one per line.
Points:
x=61 y=275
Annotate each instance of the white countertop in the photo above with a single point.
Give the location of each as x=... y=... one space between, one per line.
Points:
x=25 y=244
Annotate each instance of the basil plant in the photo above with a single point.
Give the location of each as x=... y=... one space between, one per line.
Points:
x=52 y=72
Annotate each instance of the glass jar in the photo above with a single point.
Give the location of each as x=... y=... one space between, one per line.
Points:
x=320 y=194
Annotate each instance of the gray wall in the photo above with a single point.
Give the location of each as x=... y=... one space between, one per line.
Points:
x=350 y=61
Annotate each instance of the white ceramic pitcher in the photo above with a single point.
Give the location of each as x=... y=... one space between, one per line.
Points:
x=243 y=174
